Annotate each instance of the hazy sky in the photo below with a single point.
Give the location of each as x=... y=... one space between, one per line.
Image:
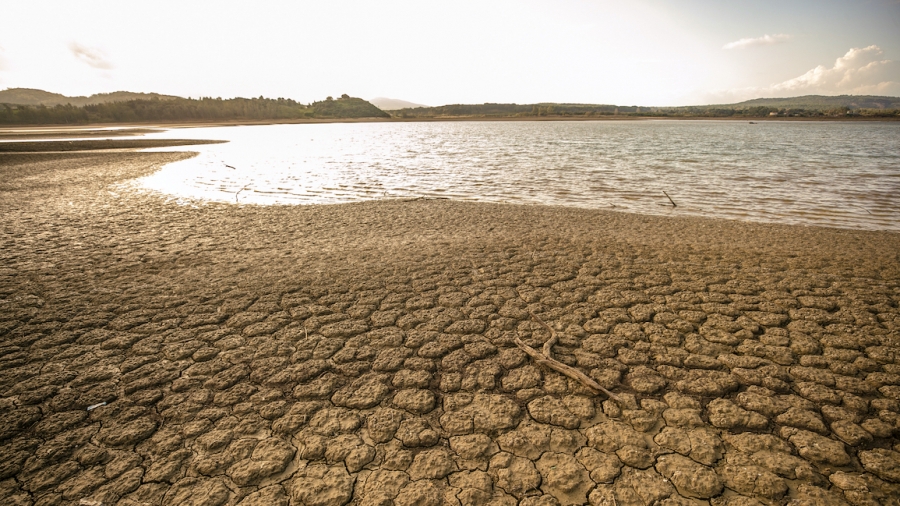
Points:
x=641 y=52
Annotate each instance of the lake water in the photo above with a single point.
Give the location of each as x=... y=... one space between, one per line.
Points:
x=835 y=174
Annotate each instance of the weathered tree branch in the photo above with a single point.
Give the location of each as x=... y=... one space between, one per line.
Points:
x=670 y=199
x=546 y=359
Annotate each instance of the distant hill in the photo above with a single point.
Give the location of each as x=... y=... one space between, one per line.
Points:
x=25 y=106
x=29 y=96
x=392 y=104
x=821 y=102
x=491 y=110
x=811 y=106
x=188 y=110
x=346 y=107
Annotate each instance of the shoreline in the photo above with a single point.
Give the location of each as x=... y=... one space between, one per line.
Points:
x=29 y=145
x=166 y=353
x=12 y=129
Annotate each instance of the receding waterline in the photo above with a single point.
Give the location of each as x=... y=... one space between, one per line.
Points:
x=844 y=175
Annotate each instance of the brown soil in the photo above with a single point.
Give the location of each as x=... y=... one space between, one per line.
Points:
x=92 y=145
x=156 y=353
x=14 y=133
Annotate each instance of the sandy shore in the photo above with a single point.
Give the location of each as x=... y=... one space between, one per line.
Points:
x=56 y=146
x=14 y=132
x=155 y=353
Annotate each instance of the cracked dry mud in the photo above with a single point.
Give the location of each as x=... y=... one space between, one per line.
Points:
x=157 y=353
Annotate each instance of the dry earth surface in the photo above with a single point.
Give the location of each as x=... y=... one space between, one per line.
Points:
x=158 y=353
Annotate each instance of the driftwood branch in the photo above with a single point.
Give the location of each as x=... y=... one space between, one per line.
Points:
x=545 y=358
x=670 y=199
x=413 y=199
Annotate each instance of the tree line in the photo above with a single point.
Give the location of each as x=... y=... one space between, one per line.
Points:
x=186 y=109
x=587 y=110
x=282 y=109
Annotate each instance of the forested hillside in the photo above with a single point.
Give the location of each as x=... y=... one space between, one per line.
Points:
x=820 y=102
x=21 y=106
x=346 y=107
x=29 y=96
x=188 y=110
x=810 y=107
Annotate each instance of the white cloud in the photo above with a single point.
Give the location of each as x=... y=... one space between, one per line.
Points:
x=91 y=56
x=3 y=64
x=765 y=40
x=859 y=72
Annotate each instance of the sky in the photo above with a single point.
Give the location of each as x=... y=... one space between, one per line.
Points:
x=640 y=52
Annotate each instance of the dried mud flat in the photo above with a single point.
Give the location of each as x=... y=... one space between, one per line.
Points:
x=156 y=353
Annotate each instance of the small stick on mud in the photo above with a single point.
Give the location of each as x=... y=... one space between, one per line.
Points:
x=670 y=199
x=425 y=198
x=239 y=191
x=547 y=359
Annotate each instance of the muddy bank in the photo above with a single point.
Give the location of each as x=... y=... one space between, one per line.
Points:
x=22 y=133
x=91 y=145
x=173 y=354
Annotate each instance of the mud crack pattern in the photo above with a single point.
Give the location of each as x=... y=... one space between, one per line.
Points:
x=159 y=353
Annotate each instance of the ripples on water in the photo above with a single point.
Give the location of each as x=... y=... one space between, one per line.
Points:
x=836 y=174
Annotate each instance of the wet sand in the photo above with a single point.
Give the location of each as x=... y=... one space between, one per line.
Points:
x=156 y=353
x=94 y=145
x=44 y=132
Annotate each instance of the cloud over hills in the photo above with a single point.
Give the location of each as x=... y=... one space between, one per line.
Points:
x=765 y=40
x=861 y=71
x=91 y=56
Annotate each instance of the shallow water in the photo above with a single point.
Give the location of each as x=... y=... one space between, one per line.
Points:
x=835 y=174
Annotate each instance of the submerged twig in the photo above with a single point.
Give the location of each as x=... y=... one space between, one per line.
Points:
x=545 y=358
x=670 y=199
x=413 y=199
x=239 y=191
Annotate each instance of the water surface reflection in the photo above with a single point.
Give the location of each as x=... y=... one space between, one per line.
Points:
x=837 y=174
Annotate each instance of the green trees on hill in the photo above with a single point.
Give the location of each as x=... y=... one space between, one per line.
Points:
x=31 y=96
x=184 y=109
x=42 y=115
x=588 y=110
x=811 y=106
x=824 y=103
x=505 y=110
x=346 y=107
x=176 y=109
x=769 y=111
x=209 y=109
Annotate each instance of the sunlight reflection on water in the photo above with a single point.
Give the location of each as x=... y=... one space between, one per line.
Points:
x=837 y=174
